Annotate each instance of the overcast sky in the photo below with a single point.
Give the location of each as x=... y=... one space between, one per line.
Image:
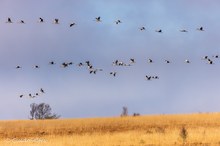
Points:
x=73 y=92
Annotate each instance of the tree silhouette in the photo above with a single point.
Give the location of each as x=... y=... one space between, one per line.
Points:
x=41 y=111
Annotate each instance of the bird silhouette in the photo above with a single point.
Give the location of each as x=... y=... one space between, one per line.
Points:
x=17 y=67
x=150 y=61
x=159 y=31
x=98 y=19
x=142 y=28
x=155 y=77
x=21 y=22
x=56 y=21
x=148 y=77
x=200 y=29
x=183 y=30
x=51 y=62
x=113 y=73
x=64 y=64
x=9 y=20
x=21 y=95
x=187 y=61
x=118 y=21
x=36 y=66
x=41 y=20
x=132 y=60
x=167 y=61
x=42 y=90
x=72 y=24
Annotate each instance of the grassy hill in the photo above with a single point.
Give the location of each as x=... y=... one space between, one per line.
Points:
x=200 y=129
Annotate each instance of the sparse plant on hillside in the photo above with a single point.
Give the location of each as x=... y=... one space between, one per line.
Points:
x=124 y=112
x=41 y=111
x=183 y=134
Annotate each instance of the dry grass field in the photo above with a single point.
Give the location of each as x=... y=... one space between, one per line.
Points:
x=154 y=130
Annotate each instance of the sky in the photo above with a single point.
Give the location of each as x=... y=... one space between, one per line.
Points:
x=74 y=93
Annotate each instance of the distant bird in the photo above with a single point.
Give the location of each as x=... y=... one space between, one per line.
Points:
x=113 y=73
x=51 y=62
x=183 y=30
x=56 y=21
x=30 y=96
x=70 y=63
x=187 y=61
x=9 y=20
x=41 y=20
x=159 y=31
x=80 y=64
x=200 y=29
x=155 y=77
x=64 y=64
x=72 y=24
x=98 y=19
x=150 y=61
x=36 y=66
x=21 y=96
x=88 y=63
x=36 y=94
x=132 y=60
x=22 y=22
x=42 y=90
x=215 y=56
x=115 y=62
x=205 y=57
x=17 y=67
x=148 y=77
x=118 y=21
x=94 y=71
x=142 y=28
x=210 y=61
x=167 y=61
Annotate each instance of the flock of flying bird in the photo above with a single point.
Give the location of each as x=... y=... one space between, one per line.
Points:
x=97 y=19
x=88 y=64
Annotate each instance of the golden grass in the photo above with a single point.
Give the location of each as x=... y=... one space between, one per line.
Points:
x=203 y=129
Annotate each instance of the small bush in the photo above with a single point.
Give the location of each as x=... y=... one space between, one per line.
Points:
x=183 y=134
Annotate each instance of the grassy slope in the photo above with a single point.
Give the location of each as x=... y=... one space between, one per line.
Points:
x=203 y=129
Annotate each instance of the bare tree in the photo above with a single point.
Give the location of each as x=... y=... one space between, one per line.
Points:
x=42 y=111
x=124 y=112
x=33 y=110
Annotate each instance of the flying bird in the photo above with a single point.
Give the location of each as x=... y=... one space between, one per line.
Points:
x=51 y=62
x=155 y=77
x=98 y=19
x=132 y=60
x=159 y=31
x=36 y=66
x=183 y=30
x=200 y=29
x=21 y=96
x=142 y=28
x=187 y=61
x=56 y=21
x=42 y=90
x=41 y=20
x=167 y=61
x=22 y=22
x=64 y=64
x=118 y=21
x=17 y=67
x=150 y=61
x=113 y=73
x=9 y=20
x=148 y=77
x=72 y=24
x=215 y=56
